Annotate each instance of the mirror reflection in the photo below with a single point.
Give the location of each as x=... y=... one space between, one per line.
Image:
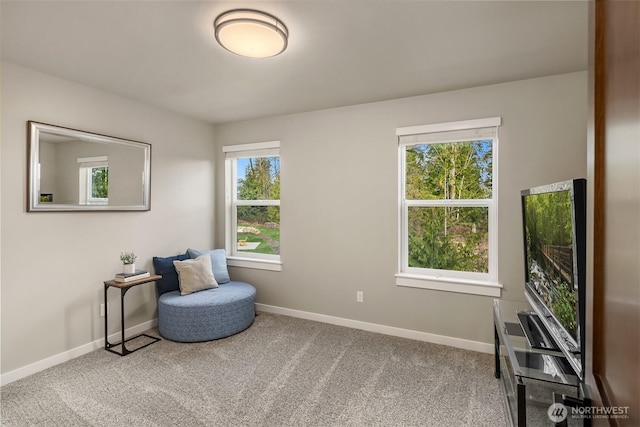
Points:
x=74 y=170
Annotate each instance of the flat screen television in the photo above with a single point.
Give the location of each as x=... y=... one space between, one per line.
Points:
x=554 y=226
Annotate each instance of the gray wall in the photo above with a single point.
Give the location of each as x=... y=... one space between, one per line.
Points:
x=53 y=264
x=339 y=198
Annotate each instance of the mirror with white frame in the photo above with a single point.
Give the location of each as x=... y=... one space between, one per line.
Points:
x=73 y=170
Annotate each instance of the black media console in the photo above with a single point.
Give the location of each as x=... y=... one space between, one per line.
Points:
x=534 y=373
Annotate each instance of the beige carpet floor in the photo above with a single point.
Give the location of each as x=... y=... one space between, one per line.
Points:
x=282 y=371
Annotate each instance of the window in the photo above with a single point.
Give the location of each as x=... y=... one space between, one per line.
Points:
x=252 y=183
x=93 y=183
x=448 y=230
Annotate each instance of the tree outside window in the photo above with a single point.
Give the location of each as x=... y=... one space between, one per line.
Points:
x=252 y=205
x=447 y=211
x=449 y=235
x=258 y=180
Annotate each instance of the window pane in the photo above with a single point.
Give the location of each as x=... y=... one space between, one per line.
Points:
x=456 y=170
x=259 y=178
x=449 y=238
x=259 y=229
x=100 y=183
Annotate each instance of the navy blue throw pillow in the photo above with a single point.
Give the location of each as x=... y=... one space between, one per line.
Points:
x=165 y=268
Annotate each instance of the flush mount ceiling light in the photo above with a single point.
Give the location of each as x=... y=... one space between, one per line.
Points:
x=251 y=33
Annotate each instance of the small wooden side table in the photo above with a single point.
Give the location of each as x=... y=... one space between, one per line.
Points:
x=124 y=287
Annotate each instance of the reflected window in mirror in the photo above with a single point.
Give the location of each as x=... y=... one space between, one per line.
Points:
x=93 y=180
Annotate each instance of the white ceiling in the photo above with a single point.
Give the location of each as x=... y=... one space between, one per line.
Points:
x=340 y=53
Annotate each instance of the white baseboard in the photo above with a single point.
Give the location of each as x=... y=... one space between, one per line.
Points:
x=41 y=365
x=381 y=329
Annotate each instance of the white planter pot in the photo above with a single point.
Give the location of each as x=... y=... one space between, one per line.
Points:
x=128 y=268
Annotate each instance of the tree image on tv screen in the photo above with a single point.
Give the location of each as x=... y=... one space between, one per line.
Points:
x=550 y=254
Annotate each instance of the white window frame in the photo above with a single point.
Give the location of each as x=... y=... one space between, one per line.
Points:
x=236 y=258
x=86 y=166
x=447 y=280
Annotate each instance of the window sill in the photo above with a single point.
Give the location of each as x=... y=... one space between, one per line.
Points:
x=258 y=264
x=489 y=289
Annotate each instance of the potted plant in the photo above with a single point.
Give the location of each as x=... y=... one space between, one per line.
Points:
x=128 y=259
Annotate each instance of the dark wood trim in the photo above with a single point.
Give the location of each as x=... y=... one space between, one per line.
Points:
x=614 y=123
x=599 y=95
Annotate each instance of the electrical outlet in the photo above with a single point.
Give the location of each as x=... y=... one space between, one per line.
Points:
x=359 y=296
x=102 y=309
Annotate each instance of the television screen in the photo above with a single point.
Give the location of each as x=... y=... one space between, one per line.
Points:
x=554 y=225
x=549 y=254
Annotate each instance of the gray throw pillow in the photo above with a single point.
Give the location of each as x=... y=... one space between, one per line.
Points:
x=195 y=275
